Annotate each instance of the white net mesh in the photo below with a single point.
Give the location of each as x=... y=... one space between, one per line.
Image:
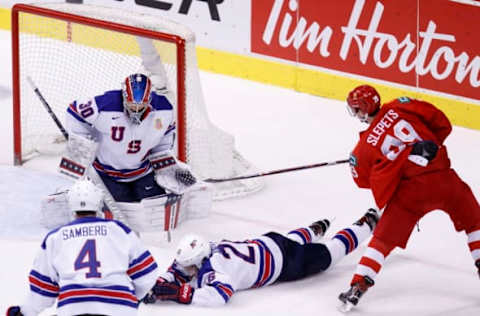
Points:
x=70 y=61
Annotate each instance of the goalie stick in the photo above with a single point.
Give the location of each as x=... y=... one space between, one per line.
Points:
x=47 y=107
x=262 y=174
x=109 y=201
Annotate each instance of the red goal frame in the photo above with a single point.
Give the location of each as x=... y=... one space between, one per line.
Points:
x=175 y=39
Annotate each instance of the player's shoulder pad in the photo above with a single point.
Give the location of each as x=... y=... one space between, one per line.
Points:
x=50 y=233
x=110 y=101
x=160 y=102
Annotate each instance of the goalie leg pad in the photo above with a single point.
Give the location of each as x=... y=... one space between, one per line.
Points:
x=166 y=212
x=172 y=210
x=151 y=214
x=54 y=210
x=197 y=202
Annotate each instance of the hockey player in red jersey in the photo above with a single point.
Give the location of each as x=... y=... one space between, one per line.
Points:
x=402 y=158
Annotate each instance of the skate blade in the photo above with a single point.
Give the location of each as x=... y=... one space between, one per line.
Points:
x=345 y=307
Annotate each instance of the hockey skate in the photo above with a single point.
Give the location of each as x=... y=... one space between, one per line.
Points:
x=320 y=227
x=350 y=298
x=371 y=218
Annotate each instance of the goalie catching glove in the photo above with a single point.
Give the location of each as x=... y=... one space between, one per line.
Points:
x=169 y=291
x=172 y=174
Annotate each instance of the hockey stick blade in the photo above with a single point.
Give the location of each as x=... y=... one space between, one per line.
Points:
x=262 y=174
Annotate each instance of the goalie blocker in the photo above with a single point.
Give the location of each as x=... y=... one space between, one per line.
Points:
x=79 y=155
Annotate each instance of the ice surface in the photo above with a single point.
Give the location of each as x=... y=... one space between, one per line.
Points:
x=274 y=128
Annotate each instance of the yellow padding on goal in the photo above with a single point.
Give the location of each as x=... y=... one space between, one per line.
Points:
x=118 y=42
x=42 y=26
x=90 y=36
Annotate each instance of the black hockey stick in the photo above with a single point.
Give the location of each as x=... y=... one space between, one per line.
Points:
x=262 y=174
x=47 y=107
x=109 y=200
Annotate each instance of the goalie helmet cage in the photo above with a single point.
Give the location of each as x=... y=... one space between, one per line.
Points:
x=77 y=51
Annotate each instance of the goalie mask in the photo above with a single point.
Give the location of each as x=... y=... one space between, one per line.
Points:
x=191 y=251
x=137 y=90
x=85 y=196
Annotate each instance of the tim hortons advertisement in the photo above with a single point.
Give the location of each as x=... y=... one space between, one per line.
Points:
x=431 y=44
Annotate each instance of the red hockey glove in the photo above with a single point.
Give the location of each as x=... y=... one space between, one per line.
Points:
x=169 y=291
x=151 y=298
x=185 y=294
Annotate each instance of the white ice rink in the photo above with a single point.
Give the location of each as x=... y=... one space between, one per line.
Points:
x=274 y=128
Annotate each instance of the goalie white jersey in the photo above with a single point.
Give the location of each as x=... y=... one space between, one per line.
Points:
x=91 y=266
x=123 y=146
x=233 y=266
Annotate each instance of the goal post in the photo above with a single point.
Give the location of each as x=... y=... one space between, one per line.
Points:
x=77 y=51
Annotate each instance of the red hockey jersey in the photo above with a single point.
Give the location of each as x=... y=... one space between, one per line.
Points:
x=380 y=158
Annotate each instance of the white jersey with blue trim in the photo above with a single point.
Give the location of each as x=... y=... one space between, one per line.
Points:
x=90 y=266
x=123 y=146
x=233 y=266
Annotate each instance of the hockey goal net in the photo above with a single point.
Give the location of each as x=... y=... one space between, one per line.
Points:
x=74 y=51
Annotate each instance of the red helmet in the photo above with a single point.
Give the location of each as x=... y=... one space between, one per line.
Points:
x=364 y=99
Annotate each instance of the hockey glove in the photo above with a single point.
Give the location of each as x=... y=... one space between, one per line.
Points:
x=14 y=311
x=423 y=152
x=169 y=291
x=151 y=298
x=171 y=174
x=80 y=153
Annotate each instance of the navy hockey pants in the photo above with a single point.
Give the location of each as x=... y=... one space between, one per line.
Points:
x=300 y=261
x=133 y=191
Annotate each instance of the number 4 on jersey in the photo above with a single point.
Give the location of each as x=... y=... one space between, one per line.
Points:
x=87 y=258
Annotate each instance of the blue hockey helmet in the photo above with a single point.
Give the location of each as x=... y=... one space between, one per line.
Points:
x=137 y=90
